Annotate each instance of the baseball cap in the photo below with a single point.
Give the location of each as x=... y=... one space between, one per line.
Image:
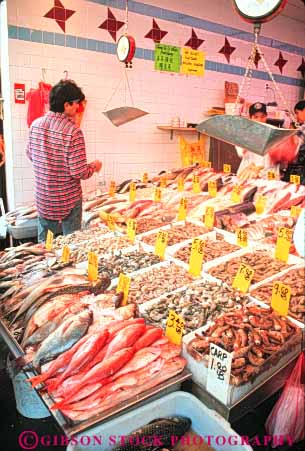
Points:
x=257 y=108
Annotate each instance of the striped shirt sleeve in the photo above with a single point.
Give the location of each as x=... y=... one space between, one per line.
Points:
x=28 y=147
x=77 y=160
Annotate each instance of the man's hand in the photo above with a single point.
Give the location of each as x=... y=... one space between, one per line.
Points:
x=97 y=165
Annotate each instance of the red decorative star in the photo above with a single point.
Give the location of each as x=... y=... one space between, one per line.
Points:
x=156 y=34
x=111 y=24
x=227 y=50
x=60 y=14
x=194 y=42
x=301 y=68
x=281 y=62
x=257 y=59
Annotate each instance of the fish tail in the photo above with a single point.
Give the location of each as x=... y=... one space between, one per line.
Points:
x=59 y=405
x=36 y=380
x=53 y=384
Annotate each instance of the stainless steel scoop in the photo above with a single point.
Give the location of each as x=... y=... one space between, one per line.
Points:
x=246 y=133
x=122 y=115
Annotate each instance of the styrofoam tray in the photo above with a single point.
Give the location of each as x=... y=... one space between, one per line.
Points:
x=204 y=422
x=199 y=369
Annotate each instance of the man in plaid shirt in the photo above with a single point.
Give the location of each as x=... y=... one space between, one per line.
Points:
x=56 y=146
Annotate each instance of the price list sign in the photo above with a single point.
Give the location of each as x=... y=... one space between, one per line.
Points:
x=157 y=195
x=123 y=287
x=219 y=371
x=283 y=244
x=296 y=179
x=49 y=240
x=161 y=243
x=92 y=266
x=243 y=278
x=196 y=257
x=163 y=181
x=212 y=188
x=242 y=237
x=167 y=58
x=295 y=211
x=132 y=192
x=209 y=217
x=131 y=229
x=111 y=223
x=196 y=184
x=227 y=168
x=65 y=256
x=180 y=183
x=271 y=175
x=112 y=188
x=236 y=194
x=182 y=209
x=145 y=177
x=260 y=205
x=280 y=300
x=174 y=327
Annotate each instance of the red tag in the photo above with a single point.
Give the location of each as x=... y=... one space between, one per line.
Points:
x=19 y=92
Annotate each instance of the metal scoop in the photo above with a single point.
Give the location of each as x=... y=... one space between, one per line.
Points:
x=248 y=134
x=122 y=115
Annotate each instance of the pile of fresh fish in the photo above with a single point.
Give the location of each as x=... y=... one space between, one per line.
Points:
x=126 y=263
x=75 y=238
x=21 y=214
x=157 y=281
x=109 y=366
x=197 y=304
x=256 y=336
x=100 y=245
x=177 y=233
x=261 y=261
x=295 y=280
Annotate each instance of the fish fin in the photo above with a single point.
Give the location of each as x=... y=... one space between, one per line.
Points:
x=36 y=380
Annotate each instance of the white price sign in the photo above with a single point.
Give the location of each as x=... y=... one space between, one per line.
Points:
x=219 y=371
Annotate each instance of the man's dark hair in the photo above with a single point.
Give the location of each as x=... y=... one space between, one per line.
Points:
x=62 y=92
x=300 y=106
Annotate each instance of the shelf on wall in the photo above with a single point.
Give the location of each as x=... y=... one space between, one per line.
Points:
x=171 y=129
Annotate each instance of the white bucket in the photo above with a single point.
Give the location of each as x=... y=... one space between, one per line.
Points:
x=28 y=402
x=232 y=109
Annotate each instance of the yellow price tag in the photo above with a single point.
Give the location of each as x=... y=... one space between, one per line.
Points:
x=112 y=188
x=92 y=266
x=49 y=240
x=145 y=177
x=132 y=191
x=123 y=287
x=174 y=327
x=227 y=168
x=111 y=223
x=296 y=179
x=206 y=164
x=280 y=300
x=161 y=243
x=271 y=175
x=212 y=187
x=131 y=229
x=236 y=194
x=196 y=257
x=163 y=181
x=243 y=278
x=182 y=209
x=295 y=211
x=180 y=182
x=157 y=195
x=209 y=217
x=242 y=237
x=260 y=205
x=65 y=256
x=196 y=184
x=283 y=244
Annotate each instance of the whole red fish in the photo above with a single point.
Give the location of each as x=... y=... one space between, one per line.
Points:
x=125 y=338
x=148 y=338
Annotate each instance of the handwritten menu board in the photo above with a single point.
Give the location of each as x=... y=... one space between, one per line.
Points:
x=167 y=58
x=193 y=62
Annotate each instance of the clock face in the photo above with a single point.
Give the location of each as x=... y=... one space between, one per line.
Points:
x=123 y=48
x=259 y=10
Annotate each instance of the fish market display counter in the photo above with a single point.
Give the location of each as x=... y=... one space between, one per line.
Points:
x=94 y=329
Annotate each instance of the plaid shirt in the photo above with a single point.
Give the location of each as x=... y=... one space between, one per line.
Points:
x=56 y=147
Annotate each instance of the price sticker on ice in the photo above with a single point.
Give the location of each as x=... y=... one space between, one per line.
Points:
x=227 y=168
x=163 y=181
x=271 y=175
x=145 y=178
x=219 y=372
x=111 y=222
x=212 y=188
x=174 y=327
x=65 y=256
x=92 y=266
x=242 y=237
x=182 y=209
x=161 y=243
x=196 y=257
x=209 y=217
x=280 y=300
x=260 y=205
x=180 y=183
x=196 y=184
x=157 y=195
x=132 y=192
x=112 y=188
x=283 y=244
x=49 y=240
x=296 y=179
x=243 y=278
x=295 y=211
x=123 y=287
x=131 y=229
x=236 y=194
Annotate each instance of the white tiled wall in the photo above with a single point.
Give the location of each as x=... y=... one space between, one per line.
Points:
x=139 y=146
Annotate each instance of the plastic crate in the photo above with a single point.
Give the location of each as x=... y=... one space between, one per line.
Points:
x=204 y=422
x=24 y=229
